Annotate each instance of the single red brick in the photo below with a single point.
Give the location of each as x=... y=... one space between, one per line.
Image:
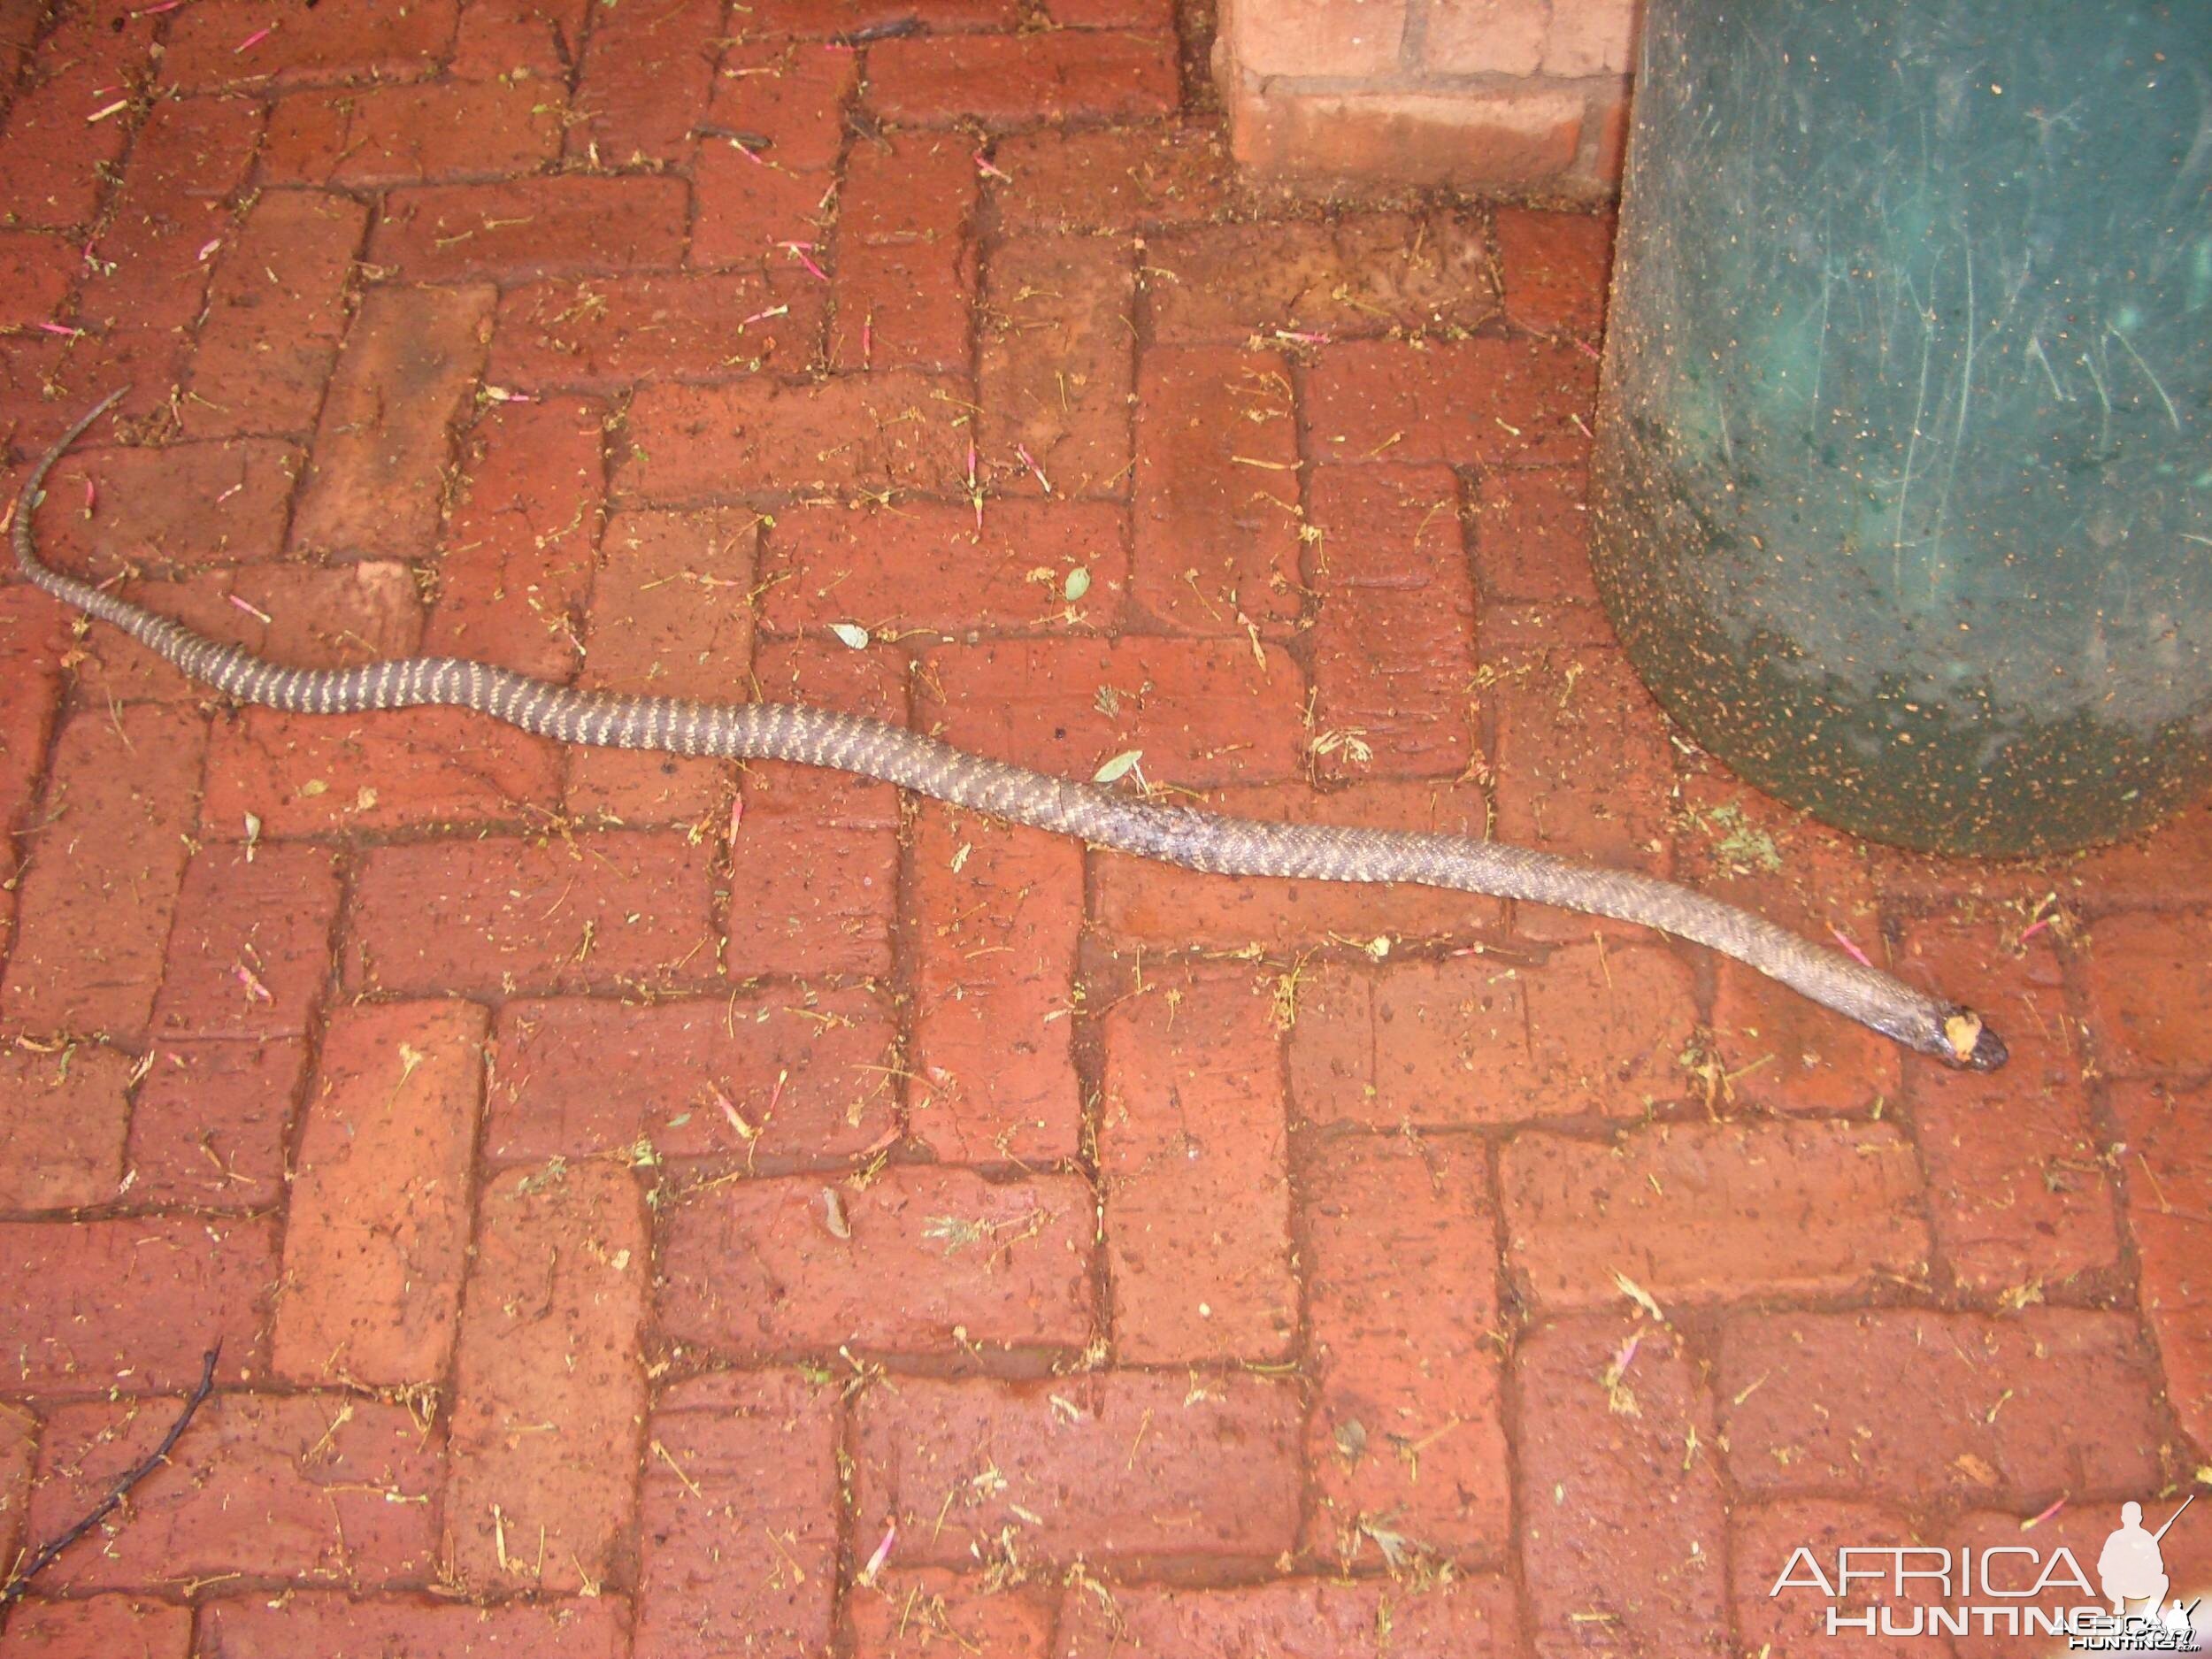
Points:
x=608 y=333
x=771 y=139
x=1712 y=1211
x=519 y=38
x=671 y=616
x=1334 y=37
x=336 y=40
x=411 y=362
x=648 y=71
x=1296 y=1619
x=1156 y=904
x=1055 y=371
x=1779 y=1049
x=903 y=305
x=2167 y=1162
x=36 y=274
x=368 y=137
x=910 y=187
x=56 y=158
x=739 y=1532
x=1401 y=1311
x=2035 y=1205
x=790 y=93
x=1494 y=1037
x=328 y=1488
x=378 y=1229
x=894 y=430
x=1591 y=40
x=548 y=1389
x=2022 y=1209
x=1555 y=267
x=925 y=566
x=101 y=1627
x=1514 y=137
x=1485 y=399
x=334 y=1625
x=752 y=213
x=275 y=310
x=183 y=505
x=501 y=916
x=1112 y=178
x=1624 y=1519
x=840 y=17
x=1532 y=535
x=998 y=913
x=62 y=1121
x=1583 y=766
x=147 y=265
x=249 y=950
x=575 y=222
x=1778 y=1605
x=1922 y=1406
x=1116 y=1462
x=913 y=1615
x=309 y=775
x=212 y=1122
x=1194 y=1165
x=1229 y=283
x=129 y=1306
x=808 y=1074
x=1201 y=712
x=1008 y=78
x=761 y=1267
x=516 y=563
x=814 y=875
x=1394 y=643
x=104 y=872
x=1217 y=514
x=2149 y=978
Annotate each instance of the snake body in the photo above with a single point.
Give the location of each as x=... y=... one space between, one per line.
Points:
x=1179 y=835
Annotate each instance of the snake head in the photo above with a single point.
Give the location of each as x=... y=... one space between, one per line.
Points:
x=1971 y=1045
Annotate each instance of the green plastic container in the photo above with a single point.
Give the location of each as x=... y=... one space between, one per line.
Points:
x=1902 y=480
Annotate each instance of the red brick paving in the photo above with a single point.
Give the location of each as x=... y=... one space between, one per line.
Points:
x=657 y=1209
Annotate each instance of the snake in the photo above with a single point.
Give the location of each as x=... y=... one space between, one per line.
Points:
x=1103 y=816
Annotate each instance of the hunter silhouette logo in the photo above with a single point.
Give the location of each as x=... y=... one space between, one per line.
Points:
x=2023 y=1589
x=2130 y=1567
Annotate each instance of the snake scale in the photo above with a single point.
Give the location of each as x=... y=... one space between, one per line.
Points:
x=1173 y=834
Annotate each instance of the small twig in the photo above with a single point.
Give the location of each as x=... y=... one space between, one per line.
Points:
x=12 y=1590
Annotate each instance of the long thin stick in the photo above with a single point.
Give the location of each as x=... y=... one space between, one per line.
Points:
x=49 y=1553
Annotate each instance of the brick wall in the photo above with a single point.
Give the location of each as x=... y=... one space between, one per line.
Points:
x=1519 y=96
